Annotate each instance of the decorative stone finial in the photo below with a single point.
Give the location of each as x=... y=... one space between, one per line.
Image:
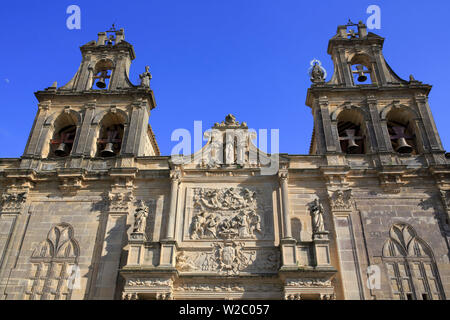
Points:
x=230 y=122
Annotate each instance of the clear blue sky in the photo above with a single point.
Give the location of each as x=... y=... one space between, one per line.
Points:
x=209 y=58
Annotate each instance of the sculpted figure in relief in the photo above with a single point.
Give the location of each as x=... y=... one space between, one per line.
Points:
x=225 y=213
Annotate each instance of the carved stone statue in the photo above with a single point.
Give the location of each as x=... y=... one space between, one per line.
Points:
x=216 y=148
x=316 y=210
x=317 y=74
x=140 y=218
x=229 y=152
x=145 y=78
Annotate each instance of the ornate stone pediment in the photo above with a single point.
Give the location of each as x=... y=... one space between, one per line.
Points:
x=12 y=201
x=231 y=146
x=227 y=213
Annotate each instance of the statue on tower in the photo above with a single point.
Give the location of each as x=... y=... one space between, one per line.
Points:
x=317 y=72
x=145 y=78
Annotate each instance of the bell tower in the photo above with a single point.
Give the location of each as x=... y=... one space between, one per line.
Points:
x=366 y=108
x=99 y=113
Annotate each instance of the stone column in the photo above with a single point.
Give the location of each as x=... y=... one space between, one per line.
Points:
x=288 y=244
x=168 y=245
x=82 y=145
x=431 y=132
x=287 y=232
x=114 y=239
x=341 y=205
x=175 y=181
x=13 y=223
x=138 y=123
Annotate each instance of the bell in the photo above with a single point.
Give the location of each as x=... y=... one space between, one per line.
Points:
x=352 y=146
x=362 y=77
x=61 y=150
x=101 y=83
x=403 y=146
x=108 y=151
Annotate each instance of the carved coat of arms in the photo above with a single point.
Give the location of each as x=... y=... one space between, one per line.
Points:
x=231 y=258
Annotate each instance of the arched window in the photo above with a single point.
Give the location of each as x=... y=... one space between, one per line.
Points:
x=410 y=265
x=110 y=135
x=352 y=132
x=402 y=130
x=65 y=127
x=54 y=266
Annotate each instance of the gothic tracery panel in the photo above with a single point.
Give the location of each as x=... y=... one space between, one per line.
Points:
x=410 y=265
x=54 y=265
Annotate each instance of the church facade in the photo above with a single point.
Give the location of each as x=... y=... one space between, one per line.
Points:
x=91 y=210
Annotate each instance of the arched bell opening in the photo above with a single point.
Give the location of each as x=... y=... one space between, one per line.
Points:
x=361 y=68
x=65 y=128
x=352 y=132
x=402 y=131
x=110 y=136
x=102 y=74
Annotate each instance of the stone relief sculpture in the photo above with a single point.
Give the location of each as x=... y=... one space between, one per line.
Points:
x=60 y=243
x=316 y=210
x=309 y=283
x=56 y=263
x=158 y=282
x=228 y=257
x=119 y=201
x=445 y=196
x=225 y=213
x=140 y=218
x=231 y=258
x=183 y=263
x=12 y=201
x=341 y=200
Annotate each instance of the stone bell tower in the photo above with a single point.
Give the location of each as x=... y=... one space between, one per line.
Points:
x=366 y=108
x=100 y=113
